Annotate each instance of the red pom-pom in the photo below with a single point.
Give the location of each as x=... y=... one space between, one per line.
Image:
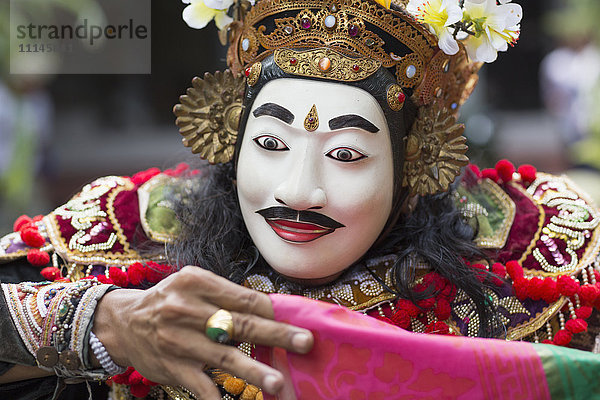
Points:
x=490 y=173
x=550 y=290
x=31 y=237
x=475 y=169
x=505 y=170
x=567 y=285
x=426 y=304
x=408 y=307
x=576 y=325
x=136 y=273
x=51 y=273
x=514 y=270
x=21 y=222
x=528 y=173
x=118 y=277
x=180 y=169
x=37 y=218
x=443 y=309
x=563 y=337
x=584 y=312
x=589 y=293
x=547 y=341
x=135 y=377
x=156 y=272
x=499 y=269
x=144 y=176
x=521 y=288
x=38 y=258
x=536 y=288
x=439 y=328
x=401 y=319
x=139 y=390
x=104 y=279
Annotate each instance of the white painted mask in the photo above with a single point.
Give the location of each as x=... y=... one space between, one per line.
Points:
x=314 y=201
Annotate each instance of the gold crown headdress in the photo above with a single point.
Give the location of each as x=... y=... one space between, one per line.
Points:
x=348 y=40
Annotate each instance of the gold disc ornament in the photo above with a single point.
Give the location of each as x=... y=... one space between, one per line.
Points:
x=209 y=115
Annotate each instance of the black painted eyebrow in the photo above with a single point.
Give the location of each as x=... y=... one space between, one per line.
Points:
x=274 y=110
x=352 y=121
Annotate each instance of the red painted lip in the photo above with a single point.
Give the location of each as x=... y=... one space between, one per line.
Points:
x=295 y=231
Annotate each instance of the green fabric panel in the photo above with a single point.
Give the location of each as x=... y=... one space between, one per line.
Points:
x=486 y=226
x=161 y=218
x=571 y=374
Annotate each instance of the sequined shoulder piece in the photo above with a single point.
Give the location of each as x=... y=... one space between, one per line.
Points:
x=156 y=208
x=99 y=224
x=554 y=236
x=358 y=289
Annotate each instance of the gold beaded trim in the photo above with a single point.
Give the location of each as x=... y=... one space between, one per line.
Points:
x=325 y=63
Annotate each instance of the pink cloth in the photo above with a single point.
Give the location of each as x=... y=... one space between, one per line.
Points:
x=357 y=357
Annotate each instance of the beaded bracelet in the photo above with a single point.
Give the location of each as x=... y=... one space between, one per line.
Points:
x=103 y=357
x=53 y=320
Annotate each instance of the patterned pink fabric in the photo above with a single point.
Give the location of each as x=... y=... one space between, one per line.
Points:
x=356 y=357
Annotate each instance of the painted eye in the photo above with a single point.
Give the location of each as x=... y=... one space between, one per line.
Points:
x=270 y=143
x=345 y=154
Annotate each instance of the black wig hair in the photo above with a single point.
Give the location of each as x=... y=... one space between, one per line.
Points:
x=213 y=235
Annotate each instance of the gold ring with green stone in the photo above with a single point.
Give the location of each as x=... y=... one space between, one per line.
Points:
x=219 y=327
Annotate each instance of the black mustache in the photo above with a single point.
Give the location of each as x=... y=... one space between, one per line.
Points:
x=309 y=217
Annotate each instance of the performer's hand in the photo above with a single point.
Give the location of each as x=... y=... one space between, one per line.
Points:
x=160 y=331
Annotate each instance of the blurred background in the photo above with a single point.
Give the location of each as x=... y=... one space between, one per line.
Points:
x=538 y=104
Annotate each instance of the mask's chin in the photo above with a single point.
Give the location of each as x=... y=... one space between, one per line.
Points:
x=313 y=281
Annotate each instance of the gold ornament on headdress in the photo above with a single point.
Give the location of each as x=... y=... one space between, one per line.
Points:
x=346 y=41
x=435 y=152
x=209 y=115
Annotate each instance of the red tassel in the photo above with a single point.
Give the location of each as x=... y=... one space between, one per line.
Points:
x=567 y=285
x=563 y=337
x=123 y=379
x=490 y=173
x=514 y=270
x=136 y=273
x=118 y=277
x=31 y=237
x=505 y=170
x=51 y=273
x=21 y=222
x=528 y=173
x=38 y=258
x=148 y=382
x=576 y=326
x=134 y=378
x=139 y=390
x=584 y=312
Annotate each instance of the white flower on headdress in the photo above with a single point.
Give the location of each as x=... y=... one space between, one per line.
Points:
x=200 y=12
x=495 y=27
x=439 y=15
